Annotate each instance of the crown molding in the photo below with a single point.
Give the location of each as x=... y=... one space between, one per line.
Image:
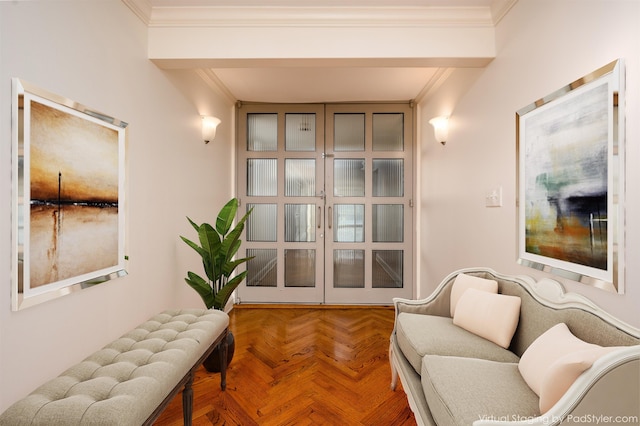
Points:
x=141 y=8
x=214 y=83
x=319 y=17
x=226 y=16
x=435 y=82
x=499 y=9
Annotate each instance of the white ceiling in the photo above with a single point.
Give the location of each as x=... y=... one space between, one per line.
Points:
x=324 y=84
x=347 y=81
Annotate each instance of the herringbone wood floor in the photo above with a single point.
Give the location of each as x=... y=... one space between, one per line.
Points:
x=302 y=366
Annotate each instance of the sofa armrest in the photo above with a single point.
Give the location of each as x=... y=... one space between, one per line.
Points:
x=437 y=306
x=607 y=393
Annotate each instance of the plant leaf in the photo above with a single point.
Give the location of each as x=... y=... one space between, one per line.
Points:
x=226 y=216
x=194 y=246
x=202 y=287
x=231 y=266
x=195 y=225
x=222 y=297
x=210 y=245
x=230 y=246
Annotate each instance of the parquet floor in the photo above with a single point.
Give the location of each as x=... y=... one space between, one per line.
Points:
x=302 y=366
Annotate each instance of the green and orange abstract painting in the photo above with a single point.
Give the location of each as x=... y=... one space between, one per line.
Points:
x=566 y=179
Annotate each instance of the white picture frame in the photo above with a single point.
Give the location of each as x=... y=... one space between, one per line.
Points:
x=571 y=168
x=68 y=221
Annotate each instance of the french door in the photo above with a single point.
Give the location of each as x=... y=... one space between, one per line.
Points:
x=330 y=189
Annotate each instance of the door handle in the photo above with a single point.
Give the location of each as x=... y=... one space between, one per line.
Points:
x=329 y=218
x=319 y=217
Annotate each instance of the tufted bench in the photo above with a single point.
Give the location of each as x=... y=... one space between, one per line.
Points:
x=131 y=380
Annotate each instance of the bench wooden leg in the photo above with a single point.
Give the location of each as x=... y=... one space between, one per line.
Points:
x=223 y=363
x=187 y=401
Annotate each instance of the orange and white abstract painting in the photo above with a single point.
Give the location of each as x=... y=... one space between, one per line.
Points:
x=74 y=196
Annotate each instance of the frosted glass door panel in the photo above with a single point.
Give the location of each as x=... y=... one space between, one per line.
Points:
x=299 y=268
x=387 y=268
x=300 y=132
x=262 y=269
x=282 y=176
x=388 y=132
x=262 y=177
x=262 y=223
x=348 y=223
x=348 y=268
x=348 y=132
x=299 y=177
x=388 y=223
x=299 y=222
x=262 y=132
x=348 y=177
x=388 y=177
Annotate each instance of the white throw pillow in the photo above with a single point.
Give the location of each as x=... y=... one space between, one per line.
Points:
x=554 y=361
x=492 y=316
x=463 y=282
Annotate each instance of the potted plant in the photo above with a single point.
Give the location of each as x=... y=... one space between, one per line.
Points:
x=217 y=246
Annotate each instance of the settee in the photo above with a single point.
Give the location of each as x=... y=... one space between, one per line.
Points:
x=493 y=349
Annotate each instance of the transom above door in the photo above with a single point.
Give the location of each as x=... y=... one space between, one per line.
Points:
x=330 y=189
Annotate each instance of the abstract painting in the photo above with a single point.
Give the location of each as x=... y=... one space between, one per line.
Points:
x=570 y=182
x=69 y=194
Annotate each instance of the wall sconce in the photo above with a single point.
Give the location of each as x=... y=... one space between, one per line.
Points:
x=440 y=128
x=209 y=126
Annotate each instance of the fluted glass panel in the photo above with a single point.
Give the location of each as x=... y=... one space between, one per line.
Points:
x=348 y=268
x=300 y=132
x=262 y=132
x=388 y=131
x=388 y=223
x=348 y=132
x=387 y=269
x=262 y=177
x=348 y=223
x=262 y=270
x=388 y=177
x=299 y=222
x=300 y=268
x=300 y=177
x=348 y=177
x=262 y=222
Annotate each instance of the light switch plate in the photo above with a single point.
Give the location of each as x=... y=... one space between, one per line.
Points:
x=493 y=198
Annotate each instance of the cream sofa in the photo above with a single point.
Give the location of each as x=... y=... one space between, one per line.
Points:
x=456 y=369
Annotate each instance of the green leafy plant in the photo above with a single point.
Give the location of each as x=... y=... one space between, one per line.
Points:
x=217 y=247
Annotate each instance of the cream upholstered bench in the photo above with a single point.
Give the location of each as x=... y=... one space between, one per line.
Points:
x=131 y=380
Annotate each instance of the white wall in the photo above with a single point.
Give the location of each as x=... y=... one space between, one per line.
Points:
x=96 y=53
x=542 y=45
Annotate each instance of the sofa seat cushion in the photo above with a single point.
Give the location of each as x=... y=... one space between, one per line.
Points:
x=463 y=390
x=419 y=335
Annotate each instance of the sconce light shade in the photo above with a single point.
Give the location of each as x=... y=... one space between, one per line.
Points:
x=209 y=126
x=440 y=128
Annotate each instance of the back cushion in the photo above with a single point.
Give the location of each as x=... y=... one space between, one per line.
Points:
x=488 y=315
x=536 y=318
x=464 y=282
